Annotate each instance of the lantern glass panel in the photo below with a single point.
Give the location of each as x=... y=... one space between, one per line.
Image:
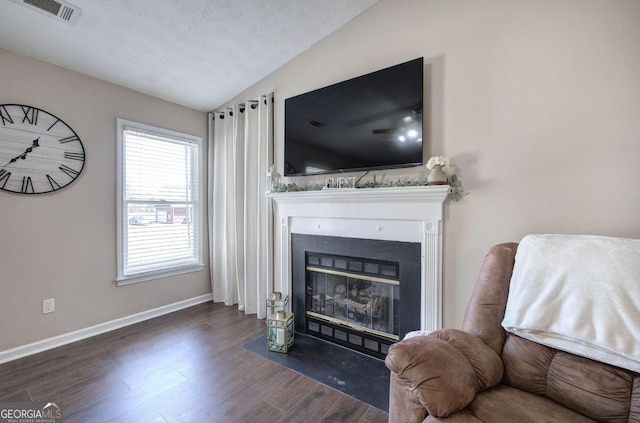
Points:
x=280 y=332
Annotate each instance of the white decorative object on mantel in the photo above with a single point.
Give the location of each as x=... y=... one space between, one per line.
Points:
x=410 y=214
x=437 y=175
x=341 y=182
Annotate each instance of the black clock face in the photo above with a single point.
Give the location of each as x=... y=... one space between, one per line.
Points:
x=39 y=153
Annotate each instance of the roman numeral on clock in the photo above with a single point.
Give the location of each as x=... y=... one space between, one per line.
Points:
x=52 y=125
x=27 y=185
x=5 y=116
x=69 y=139
x=73 y=156
x=71 y=172
x=53 y=183
x=4 y=177
x=30 y=115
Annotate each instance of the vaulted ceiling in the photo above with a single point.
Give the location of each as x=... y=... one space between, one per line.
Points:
x=197 y=53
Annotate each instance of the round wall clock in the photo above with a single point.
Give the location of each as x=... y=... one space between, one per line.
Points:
x=39 y=153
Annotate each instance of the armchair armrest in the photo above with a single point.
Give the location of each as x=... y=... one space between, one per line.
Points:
x=445 y=369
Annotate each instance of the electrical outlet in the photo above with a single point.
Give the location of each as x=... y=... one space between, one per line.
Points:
x=48 y=306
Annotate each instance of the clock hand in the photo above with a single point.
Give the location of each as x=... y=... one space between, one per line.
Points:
x=34 y=144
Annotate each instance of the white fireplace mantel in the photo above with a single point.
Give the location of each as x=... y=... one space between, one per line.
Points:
x=409 y=214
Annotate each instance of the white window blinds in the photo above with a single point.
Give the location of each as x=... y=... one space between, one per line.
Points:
x=160 y=202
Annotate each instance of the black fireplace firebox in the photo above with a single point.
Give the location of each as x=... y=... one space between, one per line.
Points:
x=362 y=294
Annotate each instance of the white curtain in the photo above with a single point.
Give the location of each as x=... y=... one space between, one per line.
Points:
x=240 y=216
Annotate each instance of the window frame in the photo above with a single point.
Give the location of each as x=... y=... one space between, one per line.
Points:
x=121 y=217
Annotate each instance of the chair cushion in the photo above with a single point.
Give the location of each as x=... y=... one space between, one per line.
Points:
x=504 y=403
x=594 y=389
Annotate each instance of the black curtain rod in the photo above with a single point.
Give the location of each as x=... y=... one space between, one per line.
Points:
x=241 y=107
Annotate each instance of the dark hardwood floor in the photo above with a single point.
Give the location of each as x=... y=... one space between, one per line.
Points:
x=187 y=366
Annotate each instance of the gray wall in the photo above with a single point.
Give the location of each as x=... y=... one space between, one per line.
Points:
x=535 y=102
x=63 y=245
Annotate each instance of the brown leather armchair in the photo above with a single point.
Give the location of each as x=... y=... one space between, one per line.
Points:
x=484 y=374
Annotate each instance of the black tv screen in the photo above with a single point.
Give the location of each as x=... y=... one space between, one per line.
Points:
x=369 y=122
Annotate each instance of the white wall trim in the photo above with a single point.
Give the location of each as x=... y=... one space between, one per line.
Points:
x=67 y=338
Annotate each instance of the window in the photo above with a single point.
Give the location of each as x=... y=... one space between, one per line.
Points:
x=159 y=202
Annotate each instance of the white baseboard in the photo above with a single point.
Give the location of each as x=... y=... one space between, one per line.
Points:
x=67 y=338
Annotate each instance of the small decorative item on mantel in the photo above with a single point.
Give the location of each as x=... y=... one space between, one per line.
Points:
x=273 y=178
x=276 y=302
x=435 y=165
x=280 y=332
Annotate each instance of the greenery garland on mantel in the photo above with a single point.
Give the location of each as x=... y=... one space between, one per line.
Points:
x=455 y=186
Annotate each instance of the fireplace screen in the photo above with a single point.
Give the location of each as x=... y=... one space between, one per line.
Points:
x=357 y=293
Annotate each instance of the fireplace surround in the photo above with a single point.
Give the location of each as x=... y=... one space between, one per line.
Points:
x=381 y=217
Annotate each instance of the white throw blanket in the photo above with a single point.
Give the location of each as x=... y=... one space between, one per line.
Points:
x=580 y=294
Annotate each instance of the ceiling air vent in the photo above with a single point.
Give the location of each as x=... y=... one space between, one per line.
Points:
x=60 y=9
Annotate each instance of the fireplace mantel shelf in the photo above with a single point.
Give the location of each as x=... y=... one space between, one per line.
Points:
x=405 y=214
x=407 y=203
x=434 y=193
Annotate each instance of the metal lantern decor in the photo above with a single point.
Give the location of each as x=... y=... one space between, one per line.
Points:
x=276 y=302
x=280 y=332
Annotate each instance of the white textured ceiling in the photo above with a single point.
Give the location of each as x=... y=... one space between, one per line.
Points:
x=198 y=53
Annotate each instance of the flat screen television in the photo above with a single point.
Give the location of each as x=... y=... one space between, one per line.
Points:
x=369 y=122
